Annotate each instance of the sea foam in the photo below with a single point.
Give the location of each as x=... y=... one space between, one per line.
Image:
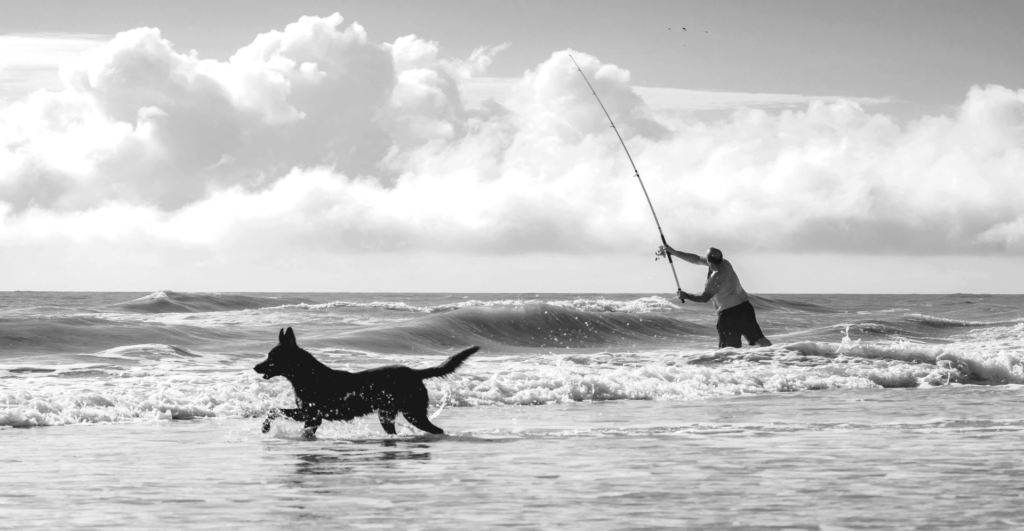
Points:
x=170 y=388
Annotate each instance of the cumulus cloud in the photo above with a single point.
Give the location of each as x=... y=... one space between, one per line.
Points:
x=317 y=137
x=666 y=99
x=30 y=62
x=1009 y=234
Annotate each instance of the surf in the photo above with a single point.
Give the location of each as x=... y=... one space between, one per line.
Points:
x=175 y=302
x=537 y=326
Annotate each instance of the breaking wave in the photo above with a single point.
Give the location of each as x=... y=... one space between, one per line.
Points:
x=174 y=302
x=159 y=392
x=177 y=356
x=942 y=322
x=529 y=326
x=641 y=305
x=763 y=303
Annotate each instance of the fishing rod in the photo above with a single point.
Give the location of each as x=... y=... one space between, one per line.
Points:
x=636 y=172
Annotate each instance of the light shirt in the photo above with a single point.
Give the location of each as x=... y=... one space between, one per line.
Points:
x=726 y=287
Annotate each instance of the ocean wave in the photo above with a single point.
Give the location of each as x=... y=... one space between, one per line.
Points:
x=163 y=392
x=600 y=305
x=764 y=303
x=915 y=326
x=84 y=334
x=175 y=302
x=158 y=394
x=180 y=386
x=987 y=356
x=876 y=328
x=135 y=396
x=155 y=352
x=530 y=326
x=943 y=322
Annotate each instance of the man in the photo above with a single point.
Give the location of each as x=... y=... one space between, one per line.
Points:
x=735 y=313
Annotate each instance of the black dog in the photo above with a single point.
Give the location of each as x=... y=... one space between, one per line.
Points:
x=323 y=393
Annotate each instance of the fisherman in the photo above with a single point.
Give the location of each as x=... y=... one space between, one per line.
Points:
x=735 y=313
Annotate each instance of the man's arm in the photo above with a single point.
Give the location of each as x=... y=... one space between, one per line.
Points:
x=710 y=289
x=694 y=259
x=704 y=297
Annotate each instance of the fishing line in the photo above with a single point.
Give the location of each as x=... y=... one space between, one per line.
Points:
x=636 y=172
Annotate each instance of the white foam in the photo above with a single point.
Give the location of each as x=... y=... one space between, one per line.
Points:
x=951 y=322
x=150 y=351
x=641 y=305
x=249 y=318
x=163 y=391
x=991 y=355
x=182 y=388
x=155 y=296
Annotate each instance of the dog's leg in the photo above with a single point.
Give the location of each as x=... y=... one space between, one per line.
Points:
x=274 y=413
x=420 y=420
x=294 y=414
x=387 y=420
x=309 y=429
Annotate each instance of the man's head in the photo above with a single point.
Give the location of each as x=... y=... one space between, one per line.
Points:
x=714 y=256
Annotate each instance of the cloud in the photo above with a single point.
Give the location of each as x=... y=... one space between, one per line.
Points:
x=666 y=99
x=1010 y=234
x=318 y=139
x=31 y=61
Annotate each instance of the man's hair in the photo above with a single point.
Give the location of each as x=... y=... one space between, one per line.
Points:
x=714 y=256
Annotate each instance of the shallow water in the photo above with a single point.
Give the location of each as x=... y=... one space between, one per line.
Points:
x=597 y=411
x=856 y=459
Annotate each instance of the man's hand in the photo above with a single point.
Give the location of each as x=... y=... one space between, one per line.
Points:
x=683 y=295
x=663 y=251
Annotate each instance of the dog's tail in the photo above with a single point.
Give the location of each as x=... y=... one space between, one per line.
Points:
x=449 y=366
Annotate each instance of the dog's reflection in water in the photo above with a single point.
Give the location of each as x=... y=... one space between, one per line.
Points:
x=319 y=464
x=358 y=459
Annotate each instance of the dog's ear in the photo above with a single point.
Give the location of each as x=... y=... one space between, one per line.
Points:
x=280 y=336
x=289 y=337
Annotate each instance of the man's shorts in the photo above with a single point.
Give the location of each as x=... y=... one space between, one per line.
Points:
x=736 y=321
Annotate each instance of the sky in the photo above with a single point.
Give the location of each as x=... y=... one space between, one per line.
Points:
x=825 y=147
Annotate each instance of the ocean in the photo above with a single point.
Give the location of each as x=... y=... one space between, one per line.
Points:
x=581 y=411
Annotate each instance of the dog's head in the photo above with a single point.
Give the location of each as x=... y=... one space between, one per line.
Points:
x=278 y=361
